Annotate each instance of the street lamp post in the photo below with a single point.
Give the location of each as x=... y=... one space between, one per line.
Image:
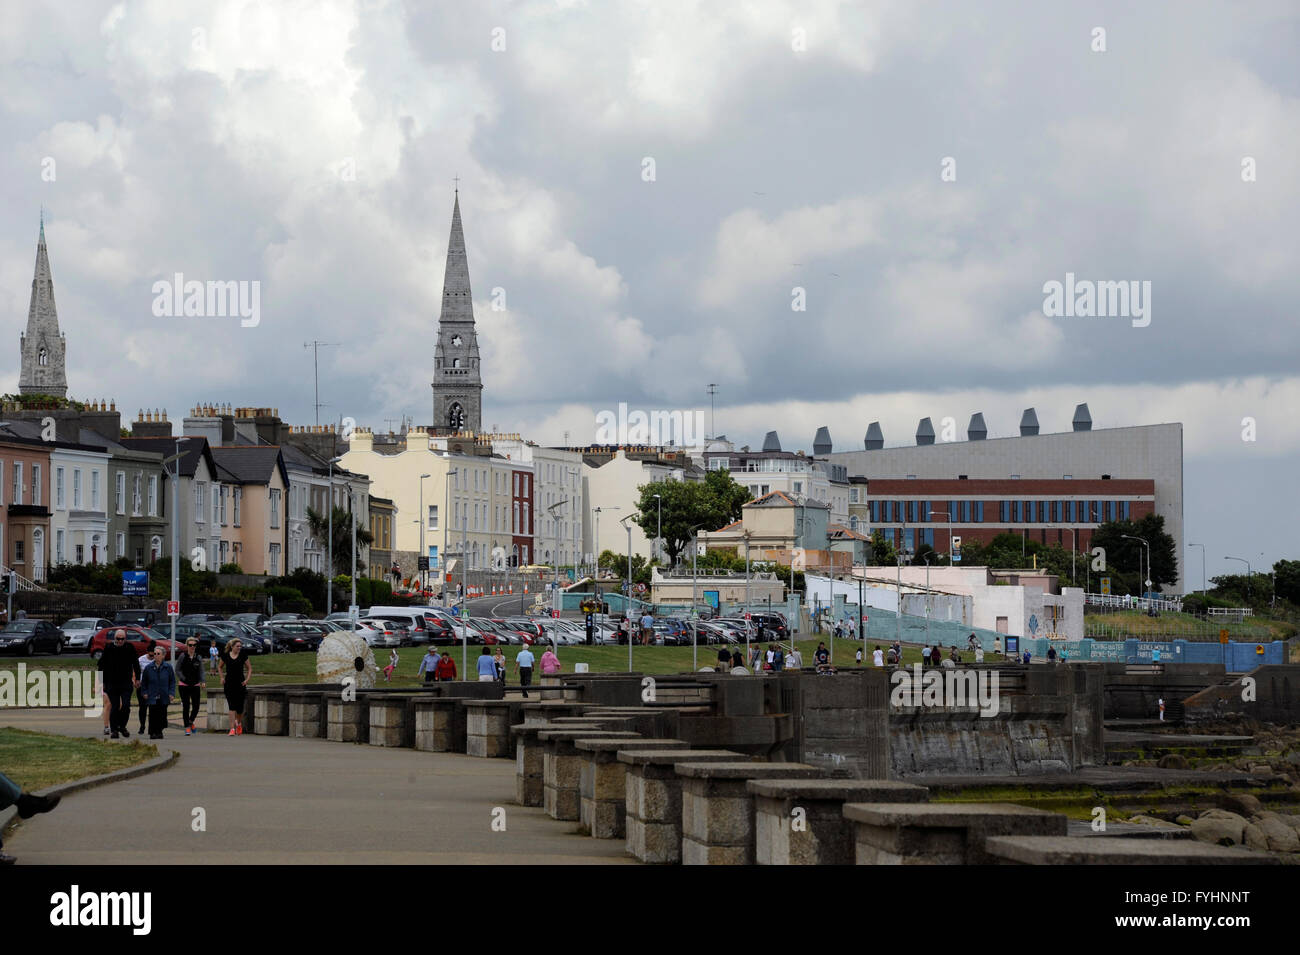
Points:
x=176 y=564
x=659 y=527
x=352 y=607
x=329 y=543
x=1250 y=575
x=747 y=597
x=555 y=587
x=424 y=551
x=695 y=584
x=627 y=596
x=596 y=547
x=927 y=599
x=1147 y=579
x=446 y=519
x=1073 y=542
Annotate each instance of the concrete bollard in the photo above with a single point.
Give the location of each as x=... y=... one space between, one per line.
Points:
x=270 y=712
x=307 y=714
x=440 y=724
x=348 y=721
x=801 y=821
x=561 y=769
x=487 y=728
x=654 y=799
x=530 y=761
x=941 y=833
x=392 y=720
x=602 y=782
x=718 y=809
x=218 y=712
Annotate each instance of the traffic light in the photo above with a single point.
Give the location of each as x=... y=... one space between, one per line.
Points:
x=8 y=583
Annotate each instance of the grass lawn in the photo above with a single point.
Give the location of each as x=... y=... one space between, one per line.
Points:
x=301 y=667
x=1135 y=623
x=37 y=760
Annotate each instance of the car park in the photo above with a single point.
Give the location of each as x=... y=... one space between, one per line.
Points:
x=29 y=637
x=206 y=635
x=140 y=618
x=287 y=615
x=78 y=631
x=251 y=619
x=378 y=632
x=199 y=617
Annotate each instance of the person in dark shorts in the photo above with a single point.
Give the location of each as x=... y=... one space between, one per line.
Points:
x=724 y=659
x=236 y=670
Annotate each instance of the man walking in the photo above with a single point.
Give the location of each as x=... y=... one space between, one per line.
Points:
x=524 y=667
x=158 y=685
x=190 y=676
x=121 y=675
x=429 y=666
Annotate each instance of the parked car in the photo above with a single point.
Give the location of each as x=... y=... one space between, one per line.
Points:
x=710 y=632
x=288 y=615
x=378 y=632
x=252 y=619
x=342 y=616
x=290 y=636
x=529 y=626
x=206 y=635
x=251 y=637
x=78 y=631
x=31 y=636
x=199 y=617
x=773 y=625
x=140 y=618
x=140 y=639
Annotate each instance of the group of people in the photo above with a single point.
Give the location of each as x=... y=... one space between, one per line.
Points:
x=491 y=667
x=156 y=684
x=773 y=659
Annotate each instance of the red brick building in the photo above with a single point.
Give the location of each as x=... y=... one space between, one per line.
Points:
x=912 y=512
x=521 y=518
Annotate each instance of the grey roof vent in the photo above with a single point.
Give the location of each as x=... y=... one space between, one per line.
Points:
x=925 y=432
x=771 y=442
x=1028 y=423
x=822 y=443
x=875 y=439
x=977 y=430
x=1082 y=419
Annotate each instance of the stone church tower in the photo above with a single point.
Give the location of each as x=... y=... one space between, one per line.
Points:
x=457 y=383
x=42 y=347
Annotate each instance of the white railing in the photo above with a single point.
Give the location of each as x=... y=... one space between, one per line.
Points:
x=1122 y=602
x=22 y=582
x=1239 y=613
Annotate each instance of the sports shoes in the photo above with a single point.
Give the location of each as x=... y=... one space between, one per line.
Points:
x=29 y=805
x=125 y=732
x=107 y=731
x=188 y=731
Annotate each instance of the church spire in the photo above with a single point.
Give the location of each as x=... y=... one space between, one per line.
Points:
x=42 y=346
x=457 y=381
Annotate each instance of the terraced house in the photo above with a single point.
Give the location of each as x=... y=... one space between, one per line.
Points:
x=256 y=528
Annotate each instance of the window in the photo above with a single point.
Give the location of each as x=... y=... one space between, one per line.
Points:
x=979 y=512
x=2 y=482
x=1110 y=510
x=94 y=489
x=18 y=551
x=525 y=528
x=924 y=516
x=225 y=493
x=76 y=489
x=121 y=493
x=853 y=495
x=58 y=546
x=237 y=494
x=18 y=483
x=135 y=496
x=216 y=504
x=1004 y=512
x=36 y=486
x=433 y=517
x=798 y=489
x=927 y=535
x=139 y=556
x=909 y=540
x=1056 y=512
x=81 y=553
x=119 y=546
x=275 y=508
x=516 y=485
x=153 y=495
x=1124 y=510
x=198 y=503
x=224 y=554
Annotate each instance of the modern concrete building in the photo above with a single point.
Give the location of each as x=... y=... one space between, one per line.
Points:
x=1141 y=467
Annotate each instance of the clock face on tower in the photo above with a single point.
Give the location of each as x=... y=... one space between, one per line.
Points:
x=457 y=341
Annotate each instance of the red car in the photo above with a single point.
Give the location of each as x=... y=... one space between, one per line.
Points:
x=140 y=638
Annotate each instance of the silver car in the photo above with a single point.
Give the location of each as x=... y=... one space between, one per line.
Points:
x=79 y=630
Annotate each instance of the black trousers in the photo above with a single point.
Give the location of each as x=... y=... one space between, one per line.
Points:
x=119 y=701
x=157 y=718
x=144 y=707
x=189 y=704
x=525 y=678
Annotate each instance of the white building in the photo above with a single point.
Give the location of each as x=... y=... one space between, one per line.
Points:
x=612 y=482
x=79 y=515
x=557 y=505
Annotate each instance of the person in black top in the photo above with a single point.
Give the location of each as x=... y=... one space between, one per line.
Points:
x=736 y=659
x=235 y=670
x=190 y=676
x=724 y=658
x=121 y=669
x=821 y=656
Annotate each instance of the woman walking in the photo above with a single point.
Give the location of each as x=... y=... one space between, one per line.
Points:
x=235 y=670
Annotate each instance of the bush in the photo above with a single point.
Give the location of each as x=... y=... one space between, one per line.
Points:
x=230 y=569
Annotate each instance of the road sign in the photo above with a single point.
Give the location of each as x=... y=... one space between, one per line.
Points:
x=1105 y=586
x=748 y=615
x=421 y=563
x=173 y=608
x=555 y=614
x=1223 y=635
x=640 y=588
x=956 y=550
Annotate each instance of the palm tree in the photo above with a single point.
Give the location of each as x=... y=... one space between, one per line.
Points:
x=342 y=538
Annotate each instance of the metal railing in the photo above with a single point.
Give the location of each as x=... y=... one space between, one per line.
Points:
x=1123 y=602
x=22 y=582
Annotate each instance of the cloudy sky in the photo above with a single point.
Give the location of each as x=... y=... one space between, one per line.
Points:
x=654 y=185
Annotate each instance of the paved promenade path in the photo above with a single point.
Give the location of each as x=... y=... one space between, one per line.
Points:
x=272 y=800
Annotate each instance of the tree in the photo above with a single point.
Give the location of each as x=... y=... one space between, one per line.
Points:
x=882 y=551
x=1128 y=557
x=687 y=506
x=342 y=528
x=1287 y=583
